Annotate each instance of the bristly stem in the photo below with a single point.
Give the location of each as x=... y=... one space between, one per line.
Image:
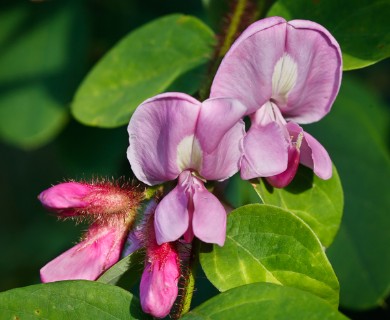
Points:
x=241 y=14
x=188 y=283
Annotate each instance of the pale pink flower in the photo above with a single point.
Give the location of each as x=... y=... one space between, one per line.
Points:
x=284 y=73
x=175 y=136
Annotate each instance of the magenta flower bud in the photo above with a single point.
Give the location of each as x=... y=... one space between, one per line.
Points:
x=158 y=288
x=79 y=198
x=112 y=211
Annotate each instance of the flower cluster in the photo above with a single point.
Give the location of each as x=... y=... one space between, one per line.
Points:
x=278 y=75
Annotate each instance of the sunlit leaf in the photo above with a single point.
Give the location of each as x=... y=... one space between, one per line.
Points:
x=264 y=301
x=268 y=244
x=317 y=202
x=146 y=62
x=126 y=272
x=68 y=300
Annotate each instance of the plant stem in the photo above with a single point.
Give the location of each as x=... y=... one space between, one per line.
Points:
x=188 y=283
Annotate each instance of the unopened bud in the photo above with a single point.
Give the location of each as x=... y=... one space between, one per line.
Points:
x=78 y=198
x=158 y=288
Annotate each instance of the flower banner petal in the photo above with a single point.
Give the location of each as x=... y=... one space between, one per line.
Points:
x=246 y=71
x=155 y=132
x=318 y=58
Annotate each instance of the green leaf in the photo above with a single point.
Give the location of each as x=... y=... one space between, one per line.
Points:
x=240 y=192
x=146 y=62
x=40 y=63
x=264 y=301
x=67 y=300
x=317 y=202
x=126 y=272
x=360 y=26
x=268 y=244
x=355 y=133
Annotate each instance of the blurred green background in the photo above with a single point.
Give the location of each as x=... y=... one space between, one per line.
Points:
x=46 y=49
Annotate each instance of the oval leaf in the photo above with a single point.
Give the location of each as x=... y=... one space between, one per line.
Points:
x=317 y=202
x=360 y=27
x=67 y=300
x=126 y=272
x=264 y=301
x=268 y=244
x=357 y=142
x=146 y=62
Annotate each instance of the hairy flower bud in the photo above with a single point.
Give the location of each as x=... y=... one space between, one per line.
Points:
x=111 y=210
x=159 y=282
x=79 y=198
x=158 y=289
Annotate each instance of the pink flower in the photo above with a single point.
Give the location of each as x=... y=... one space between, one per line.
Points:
x=112 y=210
x=175 y=136
x=158 y=288
x=284 y=73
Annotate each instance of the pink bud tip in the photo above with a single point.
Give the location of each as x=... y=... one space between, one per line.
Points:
x=64 y=198
x=158 y=289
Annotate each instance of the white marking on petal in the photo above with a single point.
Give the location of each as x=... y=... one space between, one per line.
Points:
x=189 y=154
x=284 y=77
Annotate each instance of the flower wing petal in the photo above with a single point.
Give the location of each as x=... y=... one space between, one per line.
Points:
x=217 y=116
x=155 y=131
x=224 y=161
x=171 y=218
x=209 y=220
x=265 y=151
x=313 y=154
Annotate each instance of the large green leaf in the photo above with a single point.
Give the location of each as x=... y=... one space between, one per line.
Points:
x=268 y=244
x=40 y=64
x=360 y=26
x=355 y=134
x=126 y=272
x=146 y=62
x=317 y=202
x=264 y=301
x=67 y=300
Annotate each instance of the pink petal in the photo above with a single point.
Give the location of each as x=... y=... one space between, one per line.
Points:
x=265 y=151
x=158 y=287
x=283 y=179
x=224 y=161
x=246 y=71
x=89 y=259
x=216 y=118
x=313 y=154
x=64 y=197
x=171 y=218
x=155 y=130
x=209 y=220
x=318 y=58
